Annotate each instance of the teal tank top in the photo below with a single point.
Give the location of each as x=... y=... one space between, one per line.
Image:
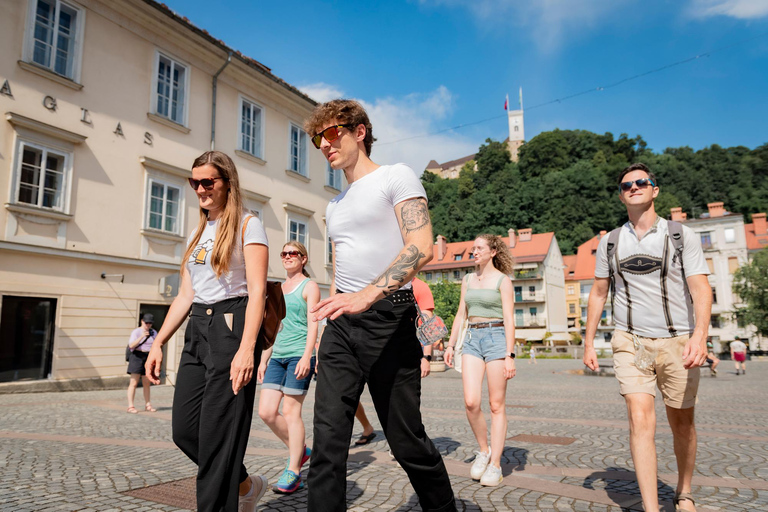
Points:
x=292 y=339
x=485 y=303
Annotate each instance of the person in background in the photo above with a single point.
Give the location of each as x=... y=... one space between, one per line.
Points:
x=286 y=368
x=488 y=301
x=739 y=355
x=140 y=344
x=712 y=359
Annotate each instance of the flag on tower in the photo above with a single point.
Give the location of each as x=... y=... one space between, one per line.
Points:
x=506 y=103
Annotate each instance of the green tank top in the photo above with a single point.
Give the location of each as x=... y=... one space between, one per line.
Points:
x=485 y=303
x=291 y=341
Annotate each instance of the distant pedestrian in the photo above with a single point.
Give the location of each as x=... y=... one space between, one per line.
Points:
x=286 y=368
x=222 y=292
x=712 y=359
x=487 y=300
x=139 y=344
x=739 y=355
x=532 y=355
x=662 y=305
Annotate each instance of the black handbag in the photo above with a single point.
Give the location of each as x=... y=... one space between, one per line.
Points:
x=129 y=350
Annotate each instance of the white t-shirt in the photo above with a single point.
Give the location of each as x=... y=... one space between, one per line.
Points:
x=210 y=289
x=652 y=305
x=363 y=225
x=738 y=346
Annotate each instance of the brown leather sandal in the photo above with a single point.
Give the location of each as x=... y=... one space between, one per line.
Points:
x=680 y=496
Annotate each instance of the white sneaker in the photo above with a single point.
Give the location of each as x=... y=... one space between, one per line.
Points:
x=478 y=467
x=491 y=477
x=248 y=502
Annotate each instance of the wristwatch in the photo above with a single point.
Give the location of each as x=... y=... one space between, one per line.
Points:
x=427 y=357
x=512 y=355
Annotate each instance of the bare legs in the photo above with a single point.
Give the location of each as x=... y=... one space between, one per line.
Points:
x=288 y=426
x=642 y=428
x=473 y=371
x=363 y=419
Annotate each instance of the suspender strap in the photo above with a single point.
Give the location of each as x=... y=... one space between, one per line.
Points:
x=612 y=249
x=676 y=236
x=626 y=285
x=664 y=292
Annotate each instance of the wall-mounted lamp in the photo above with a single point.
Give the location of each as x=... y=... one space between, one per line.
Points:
x=113 y=276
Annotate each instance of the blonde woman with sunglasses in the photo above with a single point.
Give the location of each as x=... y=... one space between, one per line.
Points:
x=222 y=294
x=286 y=369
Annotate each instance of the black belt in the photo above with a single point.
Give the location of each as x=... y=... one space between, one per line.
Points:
x=389 y=302
x=486 y=325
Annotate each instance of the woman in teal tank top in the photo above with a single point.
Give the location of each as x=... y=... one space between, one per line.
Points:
x=487 y=302
x=286 y=369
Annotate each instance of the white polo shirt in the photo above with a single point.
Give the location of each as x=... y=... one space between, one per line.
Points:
x=363 y=225
x=651 y=299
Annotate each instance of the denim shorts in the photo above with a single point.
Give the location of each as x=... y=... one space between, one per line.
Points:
x=280 y=375
x=487 y=344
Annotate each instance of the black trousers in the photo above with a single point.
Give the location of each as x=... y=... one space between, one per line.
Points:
x=378 y=347
x=210 y=423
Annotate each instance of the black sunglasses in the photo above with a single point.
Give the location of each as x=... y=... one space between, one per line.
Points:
x=331 y=134
x=292 y=254
x=207 y=183
x=641 y=183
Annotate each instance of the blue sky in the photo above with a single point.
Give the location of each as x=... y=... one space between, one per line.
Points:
x=421 y=66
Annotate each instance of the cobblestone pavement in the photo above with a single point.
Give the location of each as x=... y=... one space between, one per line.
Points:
x=82 y=451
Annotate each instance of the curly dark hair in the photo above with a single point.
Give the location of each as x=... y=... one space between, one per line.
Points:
x=348 y=112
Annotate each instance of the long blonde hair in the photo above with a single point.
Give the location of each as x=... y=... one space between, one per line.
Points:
x=228 y=231
x=302 y=252
x=503 y=260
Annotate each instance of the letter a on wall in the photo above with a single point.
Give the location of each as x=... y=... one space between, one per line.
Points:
x=119 y=130
x=6 y=89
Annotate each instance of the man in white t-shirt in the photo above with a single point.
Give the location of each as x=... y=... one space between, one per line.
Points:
x=662 y=302
x=382 y=236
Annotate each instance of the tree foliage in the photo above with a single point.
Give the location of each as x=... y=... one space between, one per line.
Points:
x=750 y=282
x=565 y=181
x=447 y=296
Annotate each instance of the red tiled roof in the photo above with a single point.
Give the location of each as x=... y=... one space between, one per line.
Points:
x=755 y=242
x=569 y=262
x=585 y=259
x=534 y=250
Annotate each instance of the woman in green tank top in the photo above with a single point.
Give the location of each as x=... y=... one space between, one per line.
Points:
x=487 y=302
x=286 y=369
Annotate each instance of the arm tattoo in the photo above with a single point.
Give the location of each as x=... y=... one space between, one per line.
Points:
x=415 y=215
x=393 y=278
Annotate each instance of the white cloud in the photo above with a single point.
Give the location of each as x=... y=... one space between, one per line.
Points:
x=397 y=118
x=549 y=21
x=742 y=9
x=322 y=92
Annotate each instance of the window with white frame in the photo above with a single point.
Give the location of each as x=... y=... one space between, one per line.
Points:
x=42 y=176
x=54 y=36
x=164 y=206
x=171 y=84
x=333 y=177
x=297 y=155
x=297 y=231
x=251 y=128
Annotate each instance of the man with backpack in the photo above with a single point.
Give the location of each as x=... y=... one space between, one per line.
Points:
x=657 y=275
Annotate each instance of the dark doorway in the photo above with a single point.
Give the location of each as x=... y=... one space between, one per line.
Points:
x=26 y=337
x=159 y=311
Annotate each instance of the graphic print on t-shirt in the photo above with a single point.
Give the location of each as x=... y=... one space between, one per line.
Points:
x=640 y=264
x=201 y=252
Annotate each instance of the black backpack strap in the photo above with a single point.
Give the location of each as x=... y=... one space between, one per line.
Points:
x=675 y=230
x=612 y=249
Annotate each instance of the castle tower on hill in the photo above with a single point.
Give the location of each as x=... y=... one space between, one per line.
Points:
x=451 y=169
x=516 y=129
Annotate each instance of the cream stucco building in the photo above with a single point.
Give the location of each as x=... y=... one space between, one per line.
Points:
x=105 y=105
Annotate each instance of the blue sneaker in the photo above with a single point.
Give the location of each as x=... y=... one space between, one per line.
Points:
x=304 y=458
x=289 y=482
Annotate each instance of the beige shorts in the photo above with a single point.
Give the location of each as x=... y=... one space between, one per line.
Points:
x=678 y=386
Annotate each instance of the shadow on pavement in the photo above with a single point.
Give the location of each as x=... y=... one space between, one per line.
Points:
x=618 y=489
